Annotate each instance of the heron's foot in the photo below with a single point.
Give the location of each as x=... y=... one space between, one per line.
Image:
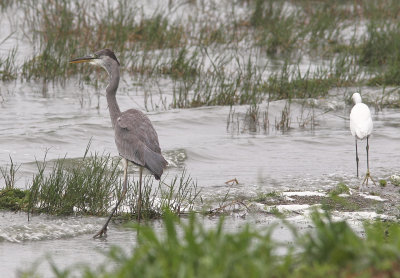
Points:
x=101 y=233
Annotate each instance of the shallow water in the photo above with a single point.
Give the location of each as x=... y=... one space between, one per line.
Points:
x=63 y=120
x=58 y=123
x=48 y=119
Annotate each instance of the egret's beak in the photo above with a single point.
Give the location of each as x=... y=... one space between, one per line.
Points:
x=82 y=59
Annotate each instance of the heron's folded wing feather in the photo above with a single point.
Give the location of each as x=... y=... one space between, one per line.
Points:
x=135 y=137
x=138 y=125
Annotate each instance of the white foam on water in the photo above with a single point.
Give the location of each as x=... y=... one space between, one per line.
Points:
x=46 y=228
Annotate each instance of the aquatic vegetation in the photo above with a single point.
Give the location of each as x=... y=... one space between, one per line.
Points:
x=13 y=199
x=227 y=60
x=8 y=67
x=378 y=53
x=254 y=120
x=186 y=248
x=341 y=188
x=89 y=186
x=9 y=174
x=283 y=124
x=275 y=27
x=335 y=201
x=266 y=197
x=84 y=187
x=181 y=66
x=64 y=29
x=395 y=180
x=290 y=83
x=179 y=196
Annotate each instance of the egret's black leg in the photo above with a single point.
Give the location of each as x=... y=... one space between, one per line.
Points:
x=103 y=231
x=367 y=148
x=139 y=202
x=357 y=157
x=368 y=175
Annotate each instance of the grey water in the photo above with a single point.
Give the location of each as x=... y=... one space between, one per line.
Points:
x=61 y=121
x=45 y=119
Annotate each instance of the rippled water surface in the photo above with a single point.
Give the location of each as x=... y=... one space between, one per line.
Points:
x=38 y=119
x=63 y=120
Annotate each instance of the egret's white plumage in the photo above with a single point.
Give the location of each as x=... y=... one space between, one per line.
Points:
x=360 y=119
x=361 y=127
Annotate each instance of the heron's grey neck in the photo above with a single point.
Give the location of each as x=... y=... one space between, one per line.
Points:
x=111 y=91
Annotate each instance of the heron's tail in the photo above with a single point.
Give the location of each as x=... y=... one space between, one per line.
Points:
x=155 y=163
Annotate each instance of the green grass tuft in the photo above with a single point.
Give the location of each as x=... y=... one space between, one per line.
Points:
x=14 y=199
x=185 y=248
x=341 y=188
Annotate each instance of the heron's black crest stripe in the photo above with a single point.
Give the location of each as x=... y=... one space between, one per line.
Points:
x=109 y=53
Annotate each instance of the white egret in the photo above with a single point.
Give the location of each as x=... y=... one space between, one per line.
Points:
x=361 y=127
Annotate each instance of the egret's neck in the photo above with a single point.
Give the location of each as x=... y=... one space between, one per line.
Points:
x=356 y=98
x=111 y=91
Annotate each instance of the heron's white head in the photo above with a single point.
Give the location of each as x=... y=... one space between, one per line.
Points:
x=104 y=58
x=356 y=98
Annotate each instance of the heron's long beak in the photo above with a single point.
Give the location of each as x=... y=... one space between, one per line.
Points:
x=81 y=59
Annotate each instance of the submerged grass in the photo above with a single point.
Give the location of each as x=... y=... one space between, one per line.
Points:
x=185 y=248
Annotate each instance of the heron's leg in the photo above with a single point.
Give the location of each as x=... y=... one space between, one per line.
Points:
x=139 y=202
x=103 y=230
x=356 y=156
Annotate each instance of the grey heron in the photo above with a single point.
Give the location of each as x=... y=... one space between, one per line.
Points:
x=135 y=136
x=361 y=127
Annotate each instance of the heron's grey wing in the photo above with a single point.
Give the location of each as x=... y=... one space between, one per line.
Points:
x=137 y=141
x=139 y=126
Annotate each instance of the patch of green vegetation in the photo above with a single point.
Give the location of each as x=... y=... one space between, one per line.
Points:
x=83 y=187
x=341 y=188
x=216 y=86
x=334 y=201
x=4 y=4
x=395 y=180
x=379 y=53
x=291 y=83
x=264 y=197
x=186 y=248
x=275 y=28
x=382 y=183
x=62 y=30
x=14 y=199
x=44 y=66
x=8 y=68
x=88 y=186
x=9 y=174
x=178 y=196
x=327 y=32
x=182 y=66
x=276 y=212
